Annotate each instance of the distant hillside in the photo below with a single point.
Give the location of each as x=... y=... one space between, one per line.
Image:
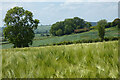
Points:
x=92 y=34
x=46 y=28
x=1 y=29
x=42 y=29
x=93 y=23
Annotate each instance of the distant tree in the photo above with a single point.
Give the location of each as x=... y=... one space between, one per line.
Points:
x=101 y=28
x=59 y=32
x=88 y=25
x=116 y=22
x=55 y=27
x=108 y=25
x=69 y=25
x=68 y=29
x=79 y=23
x=46 y=31
x=19 y=27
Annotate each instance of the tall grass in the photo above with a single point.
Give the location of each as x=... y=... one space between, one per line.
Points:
x=93 y=60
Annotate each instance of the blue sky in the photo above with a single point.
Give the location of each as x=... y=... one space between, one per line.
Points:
x=51 y=12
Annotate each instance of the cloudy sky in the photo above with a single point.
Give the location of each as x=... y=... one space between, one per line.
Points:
x=53 y=11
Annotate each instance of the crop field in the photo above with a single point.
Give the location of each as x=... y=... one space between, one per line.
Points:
x=110 y=32
x=86 y=60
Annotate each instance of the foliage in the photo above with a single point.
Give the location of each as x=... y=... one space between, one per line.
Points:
x=116 y=22
x=68 y=29
x=69 y=25
x=108 y=25
x=93 y=60
x=55 y=27
x=59 y=32
x=19 y=27
x=79 y=23
x=88 y=24
x=101 y=28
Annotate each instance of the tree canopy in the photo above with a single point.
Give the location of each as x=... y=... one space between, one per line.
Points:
x=19 y=26
x=116 y=22
x=101 y=28
x=68 y=26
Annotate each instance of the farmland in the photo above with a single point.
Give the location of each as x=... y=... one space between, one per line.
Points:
x=44 y=40
x=93 y=60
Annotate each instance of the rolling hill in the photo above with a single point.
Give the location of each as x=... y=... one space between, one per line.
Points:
x=93 y=34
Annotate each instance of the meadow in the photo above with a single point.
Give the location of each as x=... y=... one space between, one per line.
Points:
x=44 y=40
x=93 y=60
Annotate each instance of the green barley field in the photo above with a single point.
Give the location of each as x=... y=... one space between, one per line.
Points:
x=87 y=60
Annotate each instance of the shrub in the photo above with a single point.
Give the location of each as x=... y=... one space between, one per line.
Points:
x=114 y=38
x=106 y=39
x=86 y=41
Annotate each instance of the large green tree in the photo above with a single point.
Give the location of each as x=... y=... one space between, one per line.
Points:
x=19 y=26
x=55 y=27
x=101 y=28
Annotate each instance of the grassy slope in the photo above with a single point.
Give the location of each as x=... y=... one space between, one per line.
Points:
x=73 y=37
x=110 y=32
x=43 y=28
x=93 y=60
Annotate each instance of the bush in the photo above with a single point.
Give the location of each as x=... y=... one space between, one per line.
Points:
x=86 y=41
x=64 y=43
x=96 y=40
x=114 y=38
x=106 y=39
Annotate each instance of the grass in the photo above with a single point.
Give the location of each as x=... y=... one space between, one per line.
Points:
x=110 y=32
x=43 y=28
x=93 y=60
